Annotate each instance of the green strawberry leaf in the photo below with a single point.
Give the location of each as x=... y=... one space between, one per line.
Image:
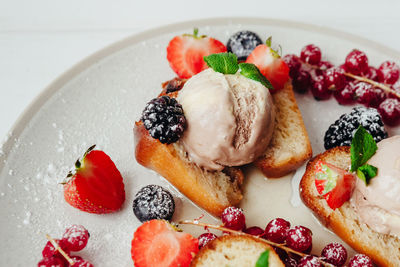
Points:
x=263 y=260
x=363 y=147
x=251 y=71
x=225 y=63
x=367 y=172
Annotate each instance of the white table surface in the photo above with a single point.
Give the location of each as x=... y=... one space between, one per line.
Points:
x=41 y=39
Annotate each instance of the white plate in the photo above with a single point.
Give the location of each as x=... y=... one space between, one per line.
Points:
x=97 y=102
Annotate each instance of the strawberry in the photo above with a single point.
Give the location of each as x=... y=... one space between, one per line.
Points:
x=185 y=53
x=157 y=243
x=334 y=184
x=96 y=186
x=270 y=64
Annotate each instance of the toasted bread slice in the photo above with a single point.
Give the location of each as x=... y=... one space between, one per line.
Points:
x=213 y=191
x=289 y=147
x=344 y=221
x=235 y=250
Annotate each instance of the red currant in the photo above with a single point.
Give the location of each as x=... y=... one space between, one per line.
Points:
x=254 y=230
x=368 y=95
x=205 y=238
x=319 y=89
x=390 y=111
x=82 y=263
x=49 y=250
x=334 y=77
x=290 y=262
x=335 y=254
x=76 y=237
x=299 y=238
x=311 y=54
x=51 y=262
x=309 y=261
x=346 y=95
x=293 y=63
x=302 y=81
x=389 y=72
x=233 y=218
x=324 y=65
x=360 y=260
x=356 y=62
x=277 y=230
x=371 y=73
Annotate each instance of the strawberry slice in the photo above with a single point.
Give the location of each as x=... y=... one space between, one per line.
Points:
x=270 y=64
x=157 y=243
x=334 y=184
x=185 y=53
x=97 y=185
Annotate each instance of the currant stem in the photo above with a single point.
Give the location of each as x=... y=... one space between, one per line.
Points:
x=376 y=84
x=57 y=247
x=281 y=246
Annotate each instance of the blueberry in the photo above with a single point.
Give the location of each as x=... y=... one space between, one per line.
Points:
x=242 y=43
x=153 y=202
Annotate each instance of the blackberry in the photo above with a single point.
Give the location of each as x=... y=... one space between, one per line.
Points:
x=242 y=43
x=153 y=202
x=341 y=132
x=164 y=119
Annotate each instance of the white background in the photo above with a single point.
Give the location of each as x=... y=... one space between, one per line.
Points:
x=40 y=39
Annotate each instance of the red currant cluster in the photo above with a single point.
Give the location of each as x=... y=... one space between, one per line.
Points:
x=75 y=238
x=297 y=238
x=355 y=81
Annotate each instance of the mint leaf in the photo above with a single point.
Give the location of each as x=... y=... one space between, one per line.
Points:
x=225 y=63
x=263 y=260
x=367 y=172
x=330 y=176
x=250 y=71
x=363 y=147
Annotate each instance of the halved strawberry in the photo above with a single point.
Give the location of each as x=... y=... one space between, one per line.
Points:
x=185 y=53
x=157 y=243
x=97 y=185
x=334 y=184
x=270 y=64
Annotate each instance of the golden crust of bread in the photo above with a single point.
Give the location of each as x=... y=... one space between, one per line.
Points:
x=344 y=221
x=189 y=180
x=290 y=146
x=231 y=249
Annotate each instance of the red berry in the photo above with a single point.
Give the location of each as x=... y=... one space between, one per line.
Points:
x=319 y=89
x=346 y=95
x=368 y=95
x=299 y=238
x=51 y=262
x=360 y=260
x=334 y=78
x=81 y=263
x=324 y=65
x=371 y=73
x=254 y=230
x=290 y=262
x=205 y=238
x=356 y=62
x=335 y=254
x=302 y=81
x=389 y=72
x=233 y=218
x=293 y=63
x=309 y=261
x=76 y=237
x=311 y=54
x=277 y=230
x=390 y=111
x=50 y=251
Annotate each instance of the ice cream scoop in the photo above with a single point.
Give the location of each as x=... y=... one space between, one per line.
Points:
x=378 y=203
x=230 y=119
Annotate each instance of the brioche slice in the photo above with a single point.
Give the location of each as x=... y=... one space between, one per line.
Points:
x=213 y=191
x=235 y=251
x=289 y=147
x=344 y=221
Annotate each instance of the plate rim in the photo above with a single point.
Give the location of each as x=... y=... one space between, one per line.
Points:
x=53 y=87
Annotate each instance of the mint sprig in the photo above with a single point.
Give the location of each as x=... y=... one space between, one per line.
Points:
x=227 y=63
x=363 y=147
x=263 y=260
